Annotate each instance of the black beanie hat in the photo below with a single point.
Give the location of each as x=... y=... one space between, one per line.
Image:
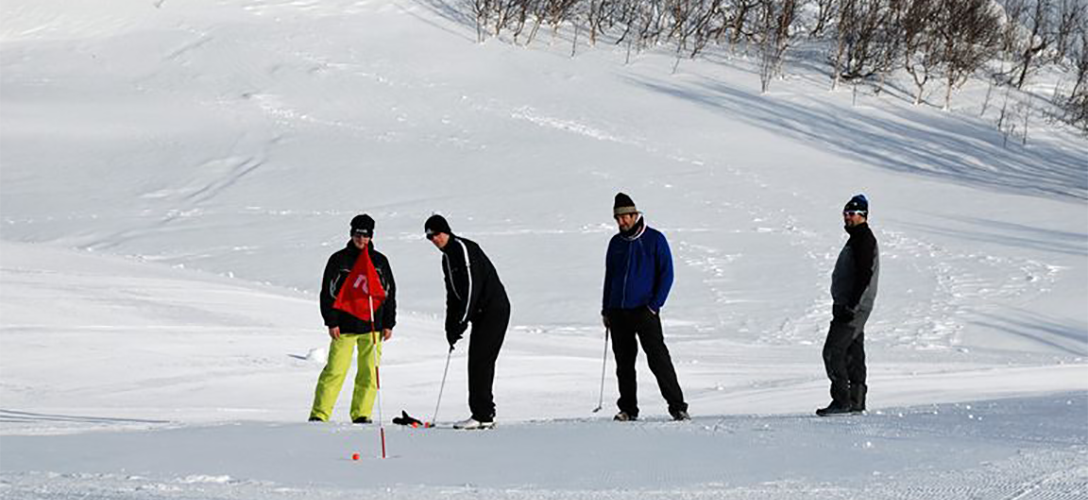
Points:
x=362 y=225
x=858 y=203
x=436 y=224
x=623 y=205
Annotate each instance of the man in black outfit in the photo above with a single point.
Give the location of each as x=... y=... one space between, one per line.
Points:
x=853 y=290
x=473 y=294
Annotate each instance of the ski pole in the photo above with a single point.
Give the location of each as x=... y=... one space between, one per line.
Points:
x=434 y=416
x=376 y=340
x=604 y=364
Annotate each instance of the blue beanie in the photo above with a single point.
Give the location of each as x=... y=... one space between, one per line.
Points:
x=858 y=203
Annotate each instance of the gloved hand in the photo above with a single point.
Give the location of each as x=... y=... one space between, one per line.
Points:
x=604 y=319
x=843 y=313
x=454 y=332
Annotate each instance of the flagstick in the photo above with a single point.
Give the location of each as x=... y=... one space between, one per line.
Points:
x=376 y=340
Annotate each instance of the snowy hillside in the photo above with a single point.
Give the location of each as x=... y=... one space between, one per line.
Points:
x=174 y=175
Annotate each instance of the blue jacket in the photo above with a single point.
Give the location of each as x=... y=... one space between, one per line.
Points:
x=638 y=270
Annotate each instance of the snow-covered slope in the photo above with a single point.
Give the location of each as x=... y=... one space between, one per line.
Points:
x=173 y=176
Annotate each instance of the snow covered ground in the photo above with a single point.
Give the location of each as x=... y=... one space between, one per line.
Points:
x=1017 y=448
x=173 y=176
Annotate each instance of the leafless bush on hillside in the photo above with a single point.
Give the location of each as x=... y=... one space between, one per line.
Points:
x=710 y=27
x=1081 y=63
x=1071 y=18
x=889 y=42
x=825 y=13
x=918 y=39
x=1076 y=104
x=481 y=10
x=867 y=39
x=777 y=17
x=1039 y=37
x=861 y=26
x=969 y=35
x=739 y=20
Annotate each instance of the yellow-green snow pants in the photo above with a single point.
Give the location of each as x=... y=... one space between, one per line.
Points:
x=336 y=369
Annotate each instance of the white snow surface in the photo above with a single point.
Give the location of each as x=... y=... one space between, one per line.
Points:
x=174 y=175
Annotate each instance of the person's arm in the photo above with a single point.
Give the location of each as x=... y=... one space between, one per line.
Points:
x=607 y=285
x=864 y=254
x=329 y=288
x=460 y=282
x=663 y=275
x=457 y=283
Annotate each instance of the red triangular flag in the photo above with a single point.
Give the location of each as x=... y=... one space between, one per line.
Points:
x=362 y=290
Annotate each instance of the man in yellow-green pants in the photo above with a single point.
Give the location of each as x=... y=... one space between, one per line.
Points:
x=358 y=298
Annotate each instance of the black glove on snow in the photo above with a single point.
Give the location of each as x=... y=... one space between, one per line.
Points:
x=406 y=419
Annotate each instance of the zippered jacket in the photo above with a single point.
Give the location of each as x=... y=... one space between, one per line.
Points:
x=638 y=270
x=857 y=270
x=472 y=283
x=336 y=272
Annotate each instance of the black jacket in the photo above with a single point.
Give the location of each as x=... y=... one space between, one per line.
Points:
x=336 y=272
x=472 y=284
x=854 y=281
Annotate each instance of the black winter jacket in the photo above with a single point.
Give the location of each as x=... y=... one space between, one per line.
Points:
x=336 y=272
x=854 y=281
x=472 y=284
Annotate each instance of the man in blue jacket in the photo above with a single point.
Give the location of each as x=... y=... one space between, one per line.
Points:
x=637 y=279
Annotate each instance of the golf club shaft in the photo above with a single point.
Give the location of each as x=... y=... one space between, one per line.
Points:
x=434 y=416
x=604 y=365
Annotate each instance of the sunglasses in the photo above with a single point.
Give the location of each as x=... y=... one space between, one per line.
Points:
x=359 y=234
x=430 y=236
x=853 y=212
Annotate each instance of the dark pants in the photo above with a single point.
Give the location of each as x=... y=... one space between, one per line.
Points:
x=625 y=325
x=844 y=359
x=488 y=332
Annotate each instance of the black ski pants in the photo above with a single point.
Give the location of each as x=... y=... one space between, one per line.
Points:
x=625 y=325
x=844 y=356
x=485 y=341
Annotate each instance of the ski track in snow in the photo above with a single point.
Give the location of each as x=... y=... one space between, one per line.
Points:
x=962 y=279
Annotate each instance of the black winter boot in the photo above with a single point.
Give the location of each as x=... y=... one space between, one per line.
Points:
x=857 y=397
x=680 y=415
x=834 y=409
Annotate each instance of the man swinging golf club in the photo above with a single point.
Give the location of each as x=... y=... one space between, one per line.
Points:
x=473 y=294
